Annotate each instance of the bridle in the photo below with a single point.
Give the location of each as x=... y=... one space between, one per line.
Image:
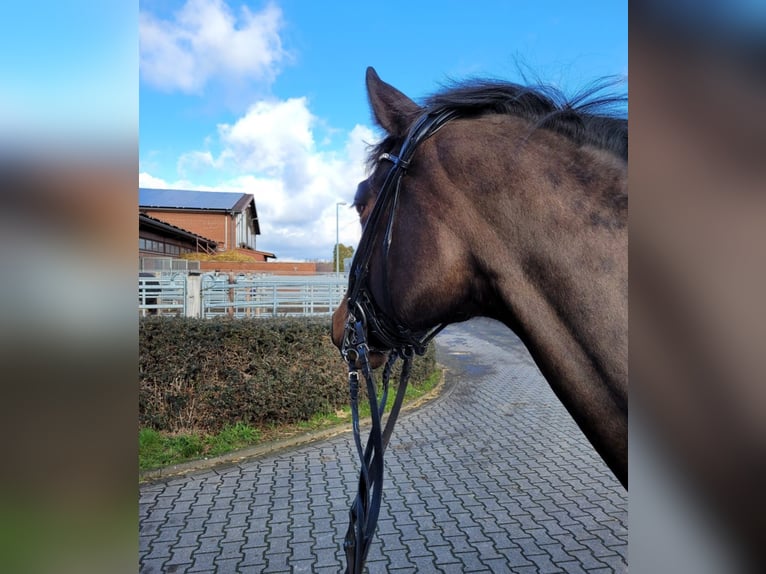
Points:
x=365 y=318
x=361 y=305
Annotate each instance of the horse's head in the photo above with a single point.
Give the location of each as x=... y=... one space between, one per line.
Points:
x=416 y=270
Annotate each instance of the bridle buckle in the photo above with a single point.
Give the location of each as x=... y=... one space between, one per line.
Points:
x=394 y=159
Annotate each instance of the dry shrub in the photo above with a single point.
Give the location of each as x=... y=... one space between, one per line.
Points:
x=203 y=374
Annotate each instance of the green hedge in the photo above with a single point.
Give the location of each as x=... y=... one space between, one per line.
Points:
x=202 y=374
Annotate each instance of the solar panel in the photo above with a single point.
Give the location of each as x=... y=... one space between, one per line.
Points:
x=187 y=199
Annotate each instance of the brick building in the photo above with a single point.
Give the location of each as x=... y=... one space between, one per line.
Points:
x=229 y=220
x=157 y=238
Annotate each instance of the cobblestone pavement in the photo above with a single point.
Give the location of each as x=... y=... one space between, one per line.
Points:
x=493 y=476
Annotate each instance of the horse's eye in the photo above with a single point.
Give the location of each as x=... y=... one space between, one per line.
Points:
x=364 y=215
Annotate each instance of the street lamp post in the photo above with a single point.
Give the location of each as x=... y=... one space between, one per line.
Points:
x=337 y=238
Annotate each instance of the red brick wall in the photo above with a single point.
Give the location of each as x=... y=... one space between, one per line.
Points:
x=277 y=268
x=211 y=225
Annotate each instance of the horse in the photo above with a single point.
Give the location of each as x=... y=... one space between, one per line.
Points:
x=504 y=201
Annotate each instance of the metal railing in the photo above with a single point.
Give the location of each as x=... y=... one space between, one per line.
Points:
x=224 y=295
x=162 y=294
x=166 y=265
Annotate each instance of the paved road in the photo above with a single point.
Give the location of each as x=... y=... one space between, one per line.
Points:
x=493 y=476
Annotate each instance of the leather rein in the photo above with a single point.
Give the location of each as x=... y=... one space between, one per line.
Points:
x=365 y=318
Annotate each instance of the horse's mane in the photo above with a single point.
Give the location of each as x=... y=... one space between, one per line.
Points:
x=589 y=118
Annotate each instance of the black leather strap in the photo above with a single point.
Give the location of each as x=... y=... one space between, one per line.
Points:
x=364 y=511
x=364 y=317
x=386 y=329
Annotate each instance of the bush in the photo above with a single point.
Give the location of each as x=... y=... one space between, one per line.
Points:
x=205 y=375
x=231 y=256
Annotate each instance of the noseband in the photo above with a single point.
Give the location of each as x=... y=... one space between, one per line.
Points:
x=365 y=318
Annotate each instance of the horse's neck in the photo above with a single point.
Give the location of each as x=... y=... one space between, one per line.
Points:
x=561 y=284
x=559 y=247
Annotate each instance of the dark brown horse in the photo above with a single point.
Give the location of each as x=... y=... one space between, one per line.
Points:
x=492 y=200
x=514 y=209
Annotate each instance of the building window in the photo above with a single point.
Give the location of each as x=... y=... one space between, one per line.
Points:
x=157 y=246
x=162 y=247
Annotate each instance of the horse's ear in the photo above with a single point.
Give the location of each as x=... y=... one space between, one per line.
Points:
x=392 y=109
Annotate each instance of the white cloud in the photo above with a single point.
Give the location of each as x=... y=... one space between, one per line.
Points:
x=271 y=136
x=271 y=153
x=206 y=40
x=198 y=162
x=277 y=150
x=147 y=180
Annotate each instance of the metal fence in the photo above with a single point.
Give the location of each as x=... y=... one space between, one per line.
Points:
x=166 y=265
x=245 y=295
x=162 y=293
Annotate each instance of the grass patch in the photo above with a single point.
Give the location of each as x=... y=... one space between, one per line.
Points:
x=157 y=449
x=411 y=394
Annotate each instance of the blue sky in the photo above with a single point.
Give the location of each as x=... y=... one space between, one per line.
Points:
x=268 y=97
x=69 y=72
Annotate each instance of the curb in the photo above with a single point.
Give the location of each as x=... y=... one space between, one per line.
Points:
x=235 y=457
